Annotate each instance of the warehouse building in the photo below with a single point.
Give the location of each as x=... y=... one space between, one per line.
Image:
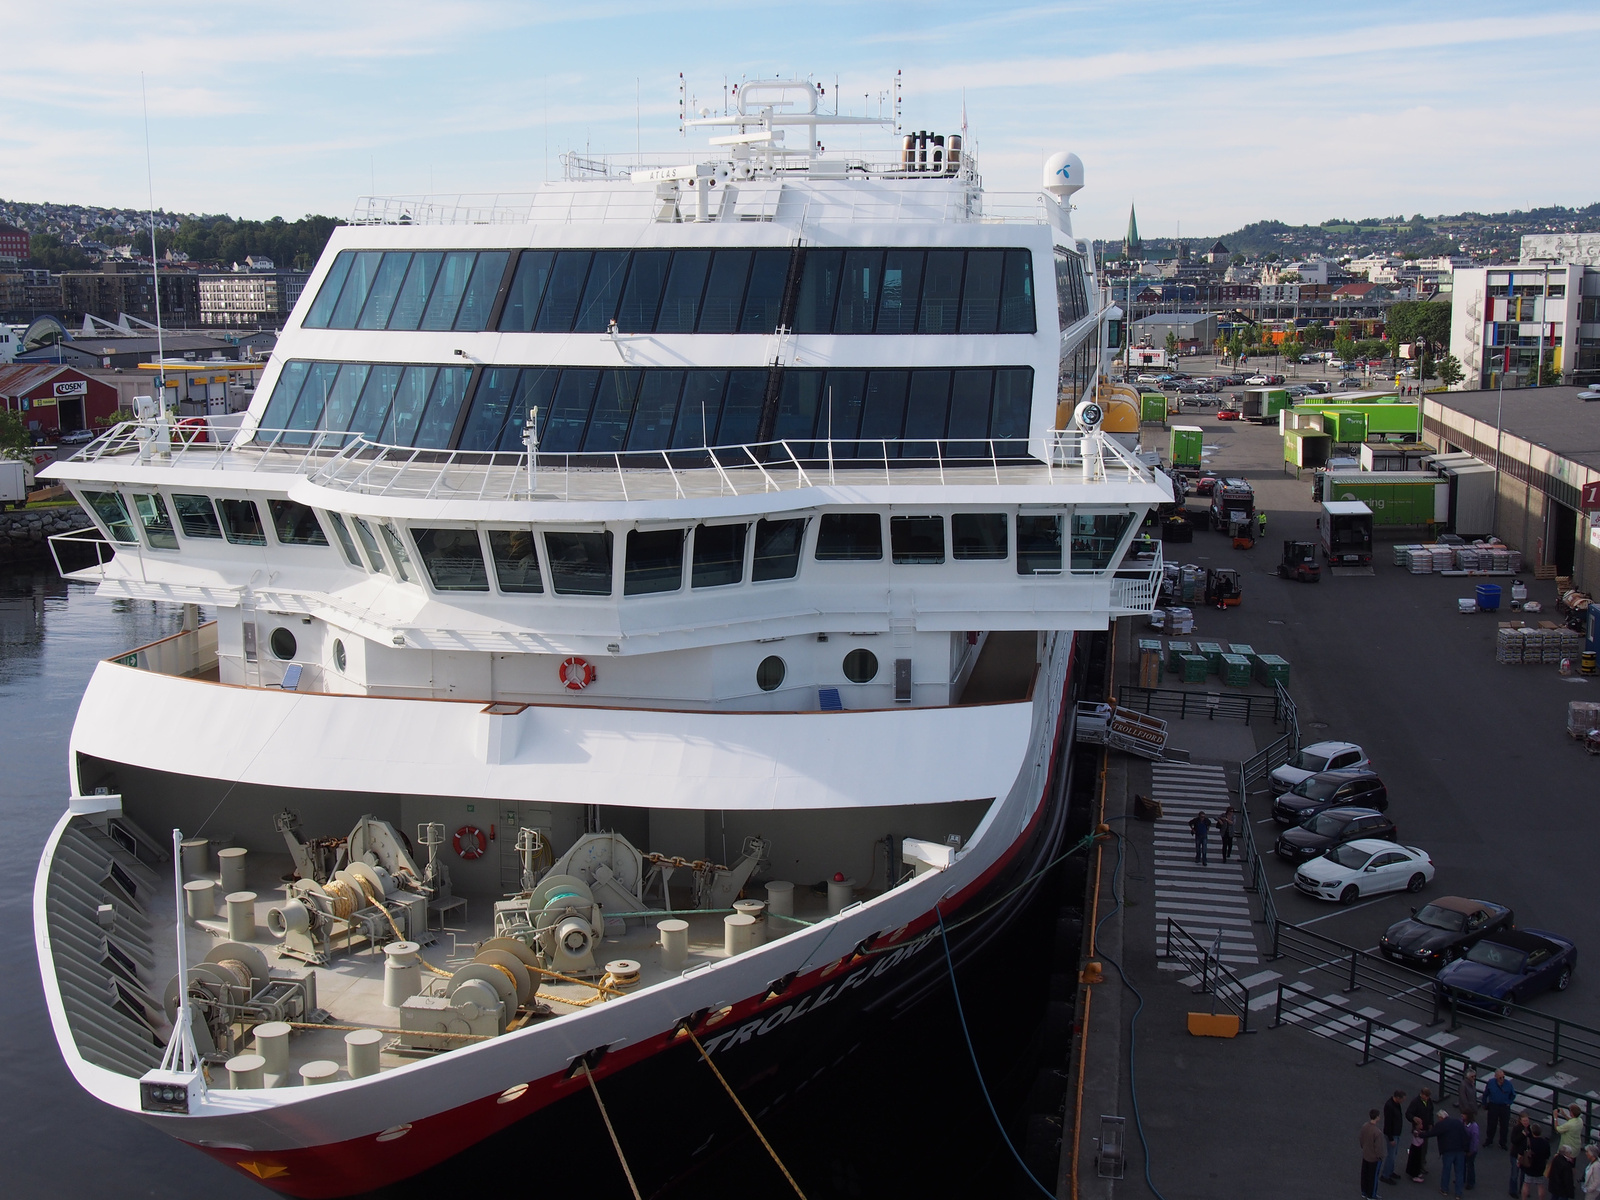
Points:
x=1549 y=450
x=1195 y=331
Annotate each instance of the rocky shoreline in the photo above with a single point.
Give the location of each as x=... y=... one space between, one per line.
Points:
x=23 y=532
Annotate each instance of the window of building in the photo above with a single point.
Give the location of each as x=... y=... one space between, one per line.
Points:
x=1038 y=545
x=196 y=517
x=653 y=561
x=516 y=561
x=452 y=558
x=1095 y=538
x=777 y=550
x=397 y=551
x=108 y=506
x=769 y=675
x=580 y=563
x=850 y=537
x=342 y=532
x=158 y=531
x=916 y=540
x=718 y=555
x=860 y=666
x=978 y=536
x=295 y=524
x=241 y=522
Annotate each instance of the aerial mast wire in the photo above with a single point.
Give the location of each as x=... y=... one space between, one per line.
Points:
x=155 y=274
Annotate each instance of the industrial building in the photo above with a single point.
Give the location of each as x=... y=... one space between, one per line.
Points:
x=1195 y=331
x=1547 y=443
x=52 y=399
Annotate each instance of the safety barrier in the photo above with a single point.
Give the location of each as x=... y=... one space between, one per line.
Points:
x=1213 y=706
x=1216 y=980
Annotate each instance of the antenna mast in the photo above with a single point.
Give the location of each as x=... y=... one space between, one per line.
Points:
x=155 y=274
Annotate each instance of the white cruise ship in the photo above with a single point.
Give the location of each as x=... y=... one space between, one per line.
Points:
x=643 y=611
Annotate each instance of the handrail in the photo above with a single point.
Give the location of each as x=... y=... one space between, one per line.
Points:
x=1216 y=980
x=1230 y=706
x=1584 y=1099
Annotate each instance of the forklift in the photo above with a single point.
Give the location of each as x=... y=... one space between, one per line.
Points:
x=1223 y=589
x=1300 y=562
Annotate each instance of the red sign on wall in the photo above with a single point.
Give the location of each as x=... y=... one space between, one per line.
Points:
x=1591 y=496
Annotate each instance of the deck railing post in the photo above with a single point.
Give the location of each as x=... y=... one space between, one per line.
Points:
x=1277 y=1020
x=1366 y=1047
x=1353 y=987
x=1555 y=1047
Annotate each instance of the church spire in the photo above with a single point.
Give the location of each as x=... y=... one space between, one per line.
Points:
x=1131 y=244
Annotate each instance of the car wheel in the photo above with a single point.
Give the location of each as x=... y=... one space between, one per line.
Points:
x=1350 y=894
x=1416 y=882
x=1564 y=980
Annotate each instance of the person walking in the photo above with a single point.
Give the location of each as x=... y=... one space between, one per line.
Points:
x=1261 y=524
x=1498 y=1093
x=1591 y=1172
x=1563 y=1176
x=1420 y=1110
x=1200 y=826
x=1225 y=824
x=1452 y=1137
x=1467 y=1093
x=1394 y=1124
x=1535 y=1162
x=1371 y=1154
x=1521 y=1138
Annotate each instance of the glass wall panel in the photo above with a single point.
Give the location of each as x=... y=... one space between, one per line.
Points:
x=108 y=506
x=452 y=558
x=941 y=292
x=1038 y=545
x=798 y=404
x=843 y=393
x=641 y=298
x=295 y=524
x=978 y=536
x=328 y=294
x=369 y=543
x=613 y=409
x=448 y=288
x=777 y=550
x=363 y=269
x=491 y=404
x=564 y=291
x=858 y=291
x=373 y=408
x=718 y=555
x=527 y=289
x=516 y=562
x=680 y=306
x=1017 y=312
x=285 y=391
x=917 y=541
x=385 y=287
x=1013 y=409
x=482 y=288
x=883 y=415
x=313 y=401
x=701 y=409
x=196 y=517
x=439 y=421
x=763 y=300
x=397 y=551
x=405 y=413
x=569 y=413
x=656 y=410
x=819 y=290
x=580 y=563
x=1095 y=537
x=601 y=292
x=414 y=292
x=969 y=412
x=741 y=409
x=654 y=561
x=850 y=537
x=719 y=311
x=342 y=531
x=241 y=522
x=927 y=409
x=980 y=294
x=343 y=395
x=158 y=531
x=535 y=389
x=902 y=286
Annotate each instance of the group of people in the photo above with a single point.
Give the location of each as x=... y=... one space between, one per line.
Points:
x=1546 y=1163
x=1200 y=825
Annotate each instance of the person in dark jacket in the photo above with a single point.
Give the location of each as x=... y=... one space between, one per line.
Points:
x=1467 y=1093
x=1562 y=1177
x=1535 y=1161
x=1453 y=1141
x=1371 y=1155
x=1498 y=1093
x=1394 y=1127
x=1225 y=831
x=1200 y=826
x=1420 y=1109
x=1521 y=1135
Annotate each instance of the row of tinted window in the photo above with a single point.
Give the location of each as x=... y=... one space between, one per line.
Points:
x=585 y=410
x=680 y=291
x=1072 y=297
x=237 y=521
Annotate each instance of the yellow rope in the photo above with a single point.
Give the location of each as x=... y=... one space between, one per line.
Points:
x=746 y=1113
x=606 y=1117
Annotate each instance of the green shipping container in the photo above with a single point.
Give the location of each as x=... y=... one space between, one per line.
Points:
x=1185 y=445
x=1235 y=670
x=1346 y=425
x=1306 y=448
x=1153 y=408
x=1176 y=651
x=1212 y=651
x=1395 y=497
x=1383 y=417
x=1195 y=668
x=1270 y=668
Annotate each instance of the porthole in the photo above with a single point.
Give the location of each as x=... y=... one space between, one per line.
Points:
x=861 y=666
x=769 y=675
x=283 y=644
x=338 y=654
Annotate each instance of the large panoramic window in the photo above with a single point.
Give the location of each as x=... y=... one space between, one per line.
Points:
x=452 y=558
x=915 y=291
x=375 y=289
x=516 y=561
x=1095 y=538
x=108 y=506
x=580 y=563
x=152 y=510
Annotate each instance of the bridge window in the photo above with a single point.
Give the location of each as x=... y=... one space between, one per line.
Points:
x=978 y=536
x=342 y=532
x=850 y=537
x=777 y=550
x=654 y=561
x=241 y=522
x=369 y=543
x=158 y=531
x=718 y=555
x=295 y=524
x=196 y=517
x=516 y=562
x=1095 y=538
x=580 y=563
x=452 y=558
x=108 y=506
x=1038 y=545
x=916 y=540
x=397 y=551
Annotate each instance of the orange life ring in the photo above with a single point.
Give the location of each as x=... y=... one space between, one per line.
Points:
x=470 y=842
x=576 y=674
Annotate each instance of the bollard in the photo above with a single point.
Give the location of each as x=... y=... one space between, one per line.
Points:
x=195 y=854
x=272 y=1044
x=674 y=943
x=362 y=1048
x=231 y=862
x=245 y=1071
x=241 y=916
x=322 y=1070
x=200 y=899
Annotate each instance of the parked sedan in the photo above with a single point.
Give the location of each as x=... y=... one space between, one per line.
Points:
x=1443 y=931
x=1229 y=414
x=1259 y=380
x=1205 y=485
x=1508 y=969
x=1320 y=756
x=1364 y=868
x=1331 y=828
x=1330 y=789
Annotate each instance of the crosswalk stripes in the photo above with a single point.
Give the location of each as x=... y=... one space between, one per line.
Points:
x=1209 y=902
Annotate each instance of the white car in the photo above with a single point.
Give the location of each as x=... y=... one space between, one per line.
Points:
x=1321 y=756
x=1365 y=867
x=1257 y=381
x=1147 y=379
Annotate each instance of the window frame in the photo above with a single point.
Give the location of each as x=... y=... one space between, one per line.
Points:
x=533 y=532
x=423 y=558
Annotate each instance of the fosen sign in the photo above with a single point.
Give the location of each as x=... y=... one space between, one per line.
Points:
x=78 y=387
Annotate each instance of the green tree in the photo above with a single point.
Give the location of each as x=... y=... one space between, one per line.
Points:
x=1420 y=321
x=1172 y=345
x=1236 y=348
x=46 y=251
x=1344 y=348
x=1425 y=366
x=14 y=440
x=1450 y=372
x=1548 y=375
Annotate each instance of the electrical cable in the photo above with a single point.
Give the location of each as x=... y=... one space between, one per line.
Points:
x=982 y=1086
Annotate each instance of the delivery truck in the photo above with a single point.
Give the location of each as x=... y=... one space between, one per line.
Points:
x=1403 y=498
x=15 y=477
x=1346 y=527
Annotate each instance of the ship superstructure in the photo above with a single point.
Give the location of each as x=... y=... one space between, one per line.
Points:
x=636 y=609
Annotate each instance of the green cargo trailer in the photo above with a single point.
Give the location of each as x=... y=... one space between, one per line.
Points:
x=1306 y=447
x=1395 y=497
x=1344 y=424
x=1383 y=418
x=1153 y=408
x=1185 y=445
x=1263 y=404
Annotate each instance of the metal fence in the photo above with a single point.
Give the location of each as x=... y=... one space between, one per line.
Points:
x=1217 y=981
x=1213 y=706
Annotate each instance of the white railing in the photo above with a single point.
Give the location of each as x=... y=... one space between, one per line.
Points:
x=1136 y=585
x=76 y=542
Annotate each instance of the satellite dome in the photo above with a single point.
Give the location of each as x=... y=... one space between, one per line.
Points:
x=1063 y=174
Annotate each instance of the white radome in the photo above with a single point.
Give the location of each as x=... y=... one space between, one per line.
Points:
x=1063 y=174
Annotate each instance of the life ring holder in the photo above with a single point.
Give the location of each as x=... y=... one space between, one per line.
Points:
x=576 y=674
x=470 y=842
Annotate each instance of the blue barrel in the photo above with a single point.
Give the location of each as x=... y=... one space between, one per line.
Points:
x=1488 y=597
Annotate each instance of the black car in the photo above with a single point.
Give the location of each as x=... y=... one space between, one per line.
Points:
x=1331 y=828
x=1330 y=789
x=1443 y=931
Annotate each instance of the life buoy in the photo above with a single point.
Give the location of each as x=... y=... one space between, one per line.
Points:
x=576 y=674
x=470 y=842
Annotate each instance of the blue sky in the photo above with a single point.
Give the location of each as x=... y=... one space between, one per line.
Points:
x=1205 y=114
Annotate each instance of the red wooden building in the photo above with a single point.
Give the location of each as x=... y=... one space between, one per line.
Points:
x=53 y=399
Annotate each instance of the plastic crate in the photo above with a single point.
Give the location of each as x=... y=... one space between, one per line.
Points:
x=1235 y=670
x=1272 y=669
x=1175 y=652
x=1195 y=668
x=1213 y=655
x=1241 y=648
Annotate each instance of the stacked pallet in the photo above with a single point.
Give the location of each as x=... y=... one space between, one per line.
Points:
x=1444 y=557
x=1420 y=561
x=1175 y=652
x=1546 y=642
x=1272 y=669
x=1582 y=716
x=1402 y=554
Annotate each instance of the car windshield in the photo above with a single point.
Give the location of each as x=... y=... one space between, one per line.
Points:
x=1326 y=825
x=1501 y=958
x=1316 y=789
x=1442 y=918
x=1307 y=761
x=1348 y=856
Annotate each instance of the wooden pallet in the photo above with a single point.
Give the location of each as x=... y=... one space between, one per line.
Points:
x=1545 y=572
